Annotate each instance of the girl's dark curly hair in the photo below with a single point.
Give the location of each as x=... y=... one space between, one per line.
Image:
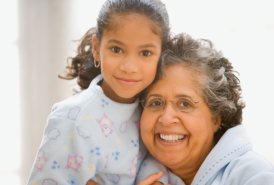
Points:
x=214 y=76
x=82 y=65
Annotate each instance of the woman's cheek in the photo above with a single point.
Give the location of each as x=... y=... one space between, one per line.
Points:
x=146 y=122
x=144 y=125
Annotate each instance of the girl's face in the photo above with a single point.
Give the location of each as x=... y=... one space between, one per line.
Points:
x=129 y=55
x=180 y=140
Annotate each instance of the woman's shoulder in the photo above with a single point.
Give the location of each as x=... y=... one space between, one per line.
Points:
x=249 y=168
x=252 y=159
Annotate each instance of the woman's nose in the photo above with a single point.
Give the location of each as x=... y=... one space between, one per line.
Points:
x=168 y=115
x=130 y=64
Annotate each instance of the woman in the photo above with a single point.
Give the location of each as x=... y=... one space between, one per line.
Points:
x=191 y=121
x=192 y=117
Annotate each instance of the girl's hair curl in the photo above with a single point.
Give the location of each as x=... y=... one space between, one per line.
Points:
x=82 y=65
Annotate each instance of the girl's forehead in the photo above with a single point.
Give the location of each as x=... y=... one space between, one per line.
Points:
x=120 y=21
x=132 y=33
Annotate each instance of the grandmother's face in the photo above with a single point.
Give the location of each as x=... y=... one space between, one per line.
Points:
x=178 y=139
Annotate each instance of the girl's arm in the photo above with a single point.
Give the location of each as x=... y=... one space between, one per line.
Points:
x=150 y=171
x=61 y=158
x=151 y=180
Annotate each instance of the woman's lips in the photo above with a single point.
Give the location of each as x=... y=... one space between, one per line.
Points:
x=170 y=139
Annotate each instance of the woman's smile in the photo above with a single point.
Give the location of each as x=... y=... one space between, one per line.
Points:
x=167 y=132
x=170 y=139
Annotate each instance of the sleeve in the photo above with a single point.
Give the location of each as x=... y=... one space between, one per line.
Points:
x=266 y=178
x=61 y=159
x=250 y=169
x=149 y=166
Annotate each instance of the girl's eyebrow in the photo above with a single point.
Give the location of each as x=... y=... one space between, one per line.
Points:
x=121 y=43
x=115 y=41
x=148 y=46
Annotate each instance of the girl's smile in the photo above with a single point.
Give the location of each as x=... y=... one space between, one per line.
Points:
x=129 y=55
x=128 y=82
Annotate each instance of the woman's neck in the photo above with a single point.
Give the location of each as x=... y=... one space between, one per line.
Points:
x=189 y=169
x=186 y=174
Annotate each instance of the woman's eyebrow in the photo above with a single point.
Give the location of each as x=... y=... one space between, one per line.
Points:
x=156 y=95
x=183 y=96
x=177 y=96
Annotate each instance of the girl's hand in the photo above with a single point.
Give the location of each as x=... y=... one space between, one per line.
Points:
x=91 y=182
x=152 y=179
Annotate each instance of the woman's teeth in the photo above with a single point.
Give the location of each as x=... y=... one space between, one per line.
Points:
x=171 y=138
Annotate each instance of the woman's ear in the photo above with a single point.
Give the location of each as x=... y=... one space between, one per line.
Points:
x=95 y=48
x=217 y=123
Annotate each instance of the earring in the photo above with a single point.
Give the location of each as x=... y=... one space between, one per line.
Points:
x=221 y=126
x=97 y=63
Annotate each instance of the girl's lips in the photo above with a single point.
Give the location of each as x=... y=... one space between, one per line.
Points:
x=127 y=81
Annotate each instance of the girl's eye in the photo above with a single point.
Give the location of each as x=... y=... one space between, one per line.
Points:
x=116 y=50
x=145 y=53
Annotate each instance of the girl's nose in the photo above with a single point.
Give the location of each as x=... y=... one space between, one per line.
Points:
x=130 y=64
x=168 y=115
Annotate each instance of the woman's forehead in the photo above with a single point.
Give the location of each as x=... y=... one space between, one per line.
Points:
x=177 y=80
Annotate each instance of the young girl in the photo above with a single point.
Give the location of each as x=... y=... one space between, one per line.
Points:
x=95 y=133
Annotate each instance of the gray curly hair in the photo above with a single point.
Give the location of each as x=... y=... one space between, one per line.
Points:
x=214 y=76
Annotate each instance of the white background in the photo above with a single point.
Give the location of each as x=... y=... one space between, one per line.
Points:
x=243 y=30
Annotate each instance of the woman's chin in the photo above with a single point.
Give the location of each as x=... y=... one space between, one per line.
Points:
x=168 y=159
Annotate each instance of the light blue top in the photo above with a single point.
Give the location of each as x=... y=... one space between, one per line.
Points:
x=232 y=162
x=89 y=136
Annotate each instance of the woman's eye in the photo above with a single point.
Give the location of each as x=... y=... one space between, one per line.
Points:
x=145 y=53
x=116 y=50
x=156 y=103
x=184 y=104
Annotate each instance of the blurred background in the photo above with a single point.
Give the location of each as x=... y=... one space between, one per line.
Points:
x=37 y=37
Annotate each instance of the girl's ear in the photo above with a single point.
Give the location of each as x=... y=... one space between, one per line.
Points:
x=95 y=48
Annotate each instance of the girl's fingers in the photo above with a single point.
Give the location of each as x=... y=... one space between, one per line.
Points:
x=151 y=179
x=91 y=182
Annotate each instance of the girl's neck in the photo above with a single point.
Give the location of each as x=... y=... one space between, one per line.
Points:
x=113 y=96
